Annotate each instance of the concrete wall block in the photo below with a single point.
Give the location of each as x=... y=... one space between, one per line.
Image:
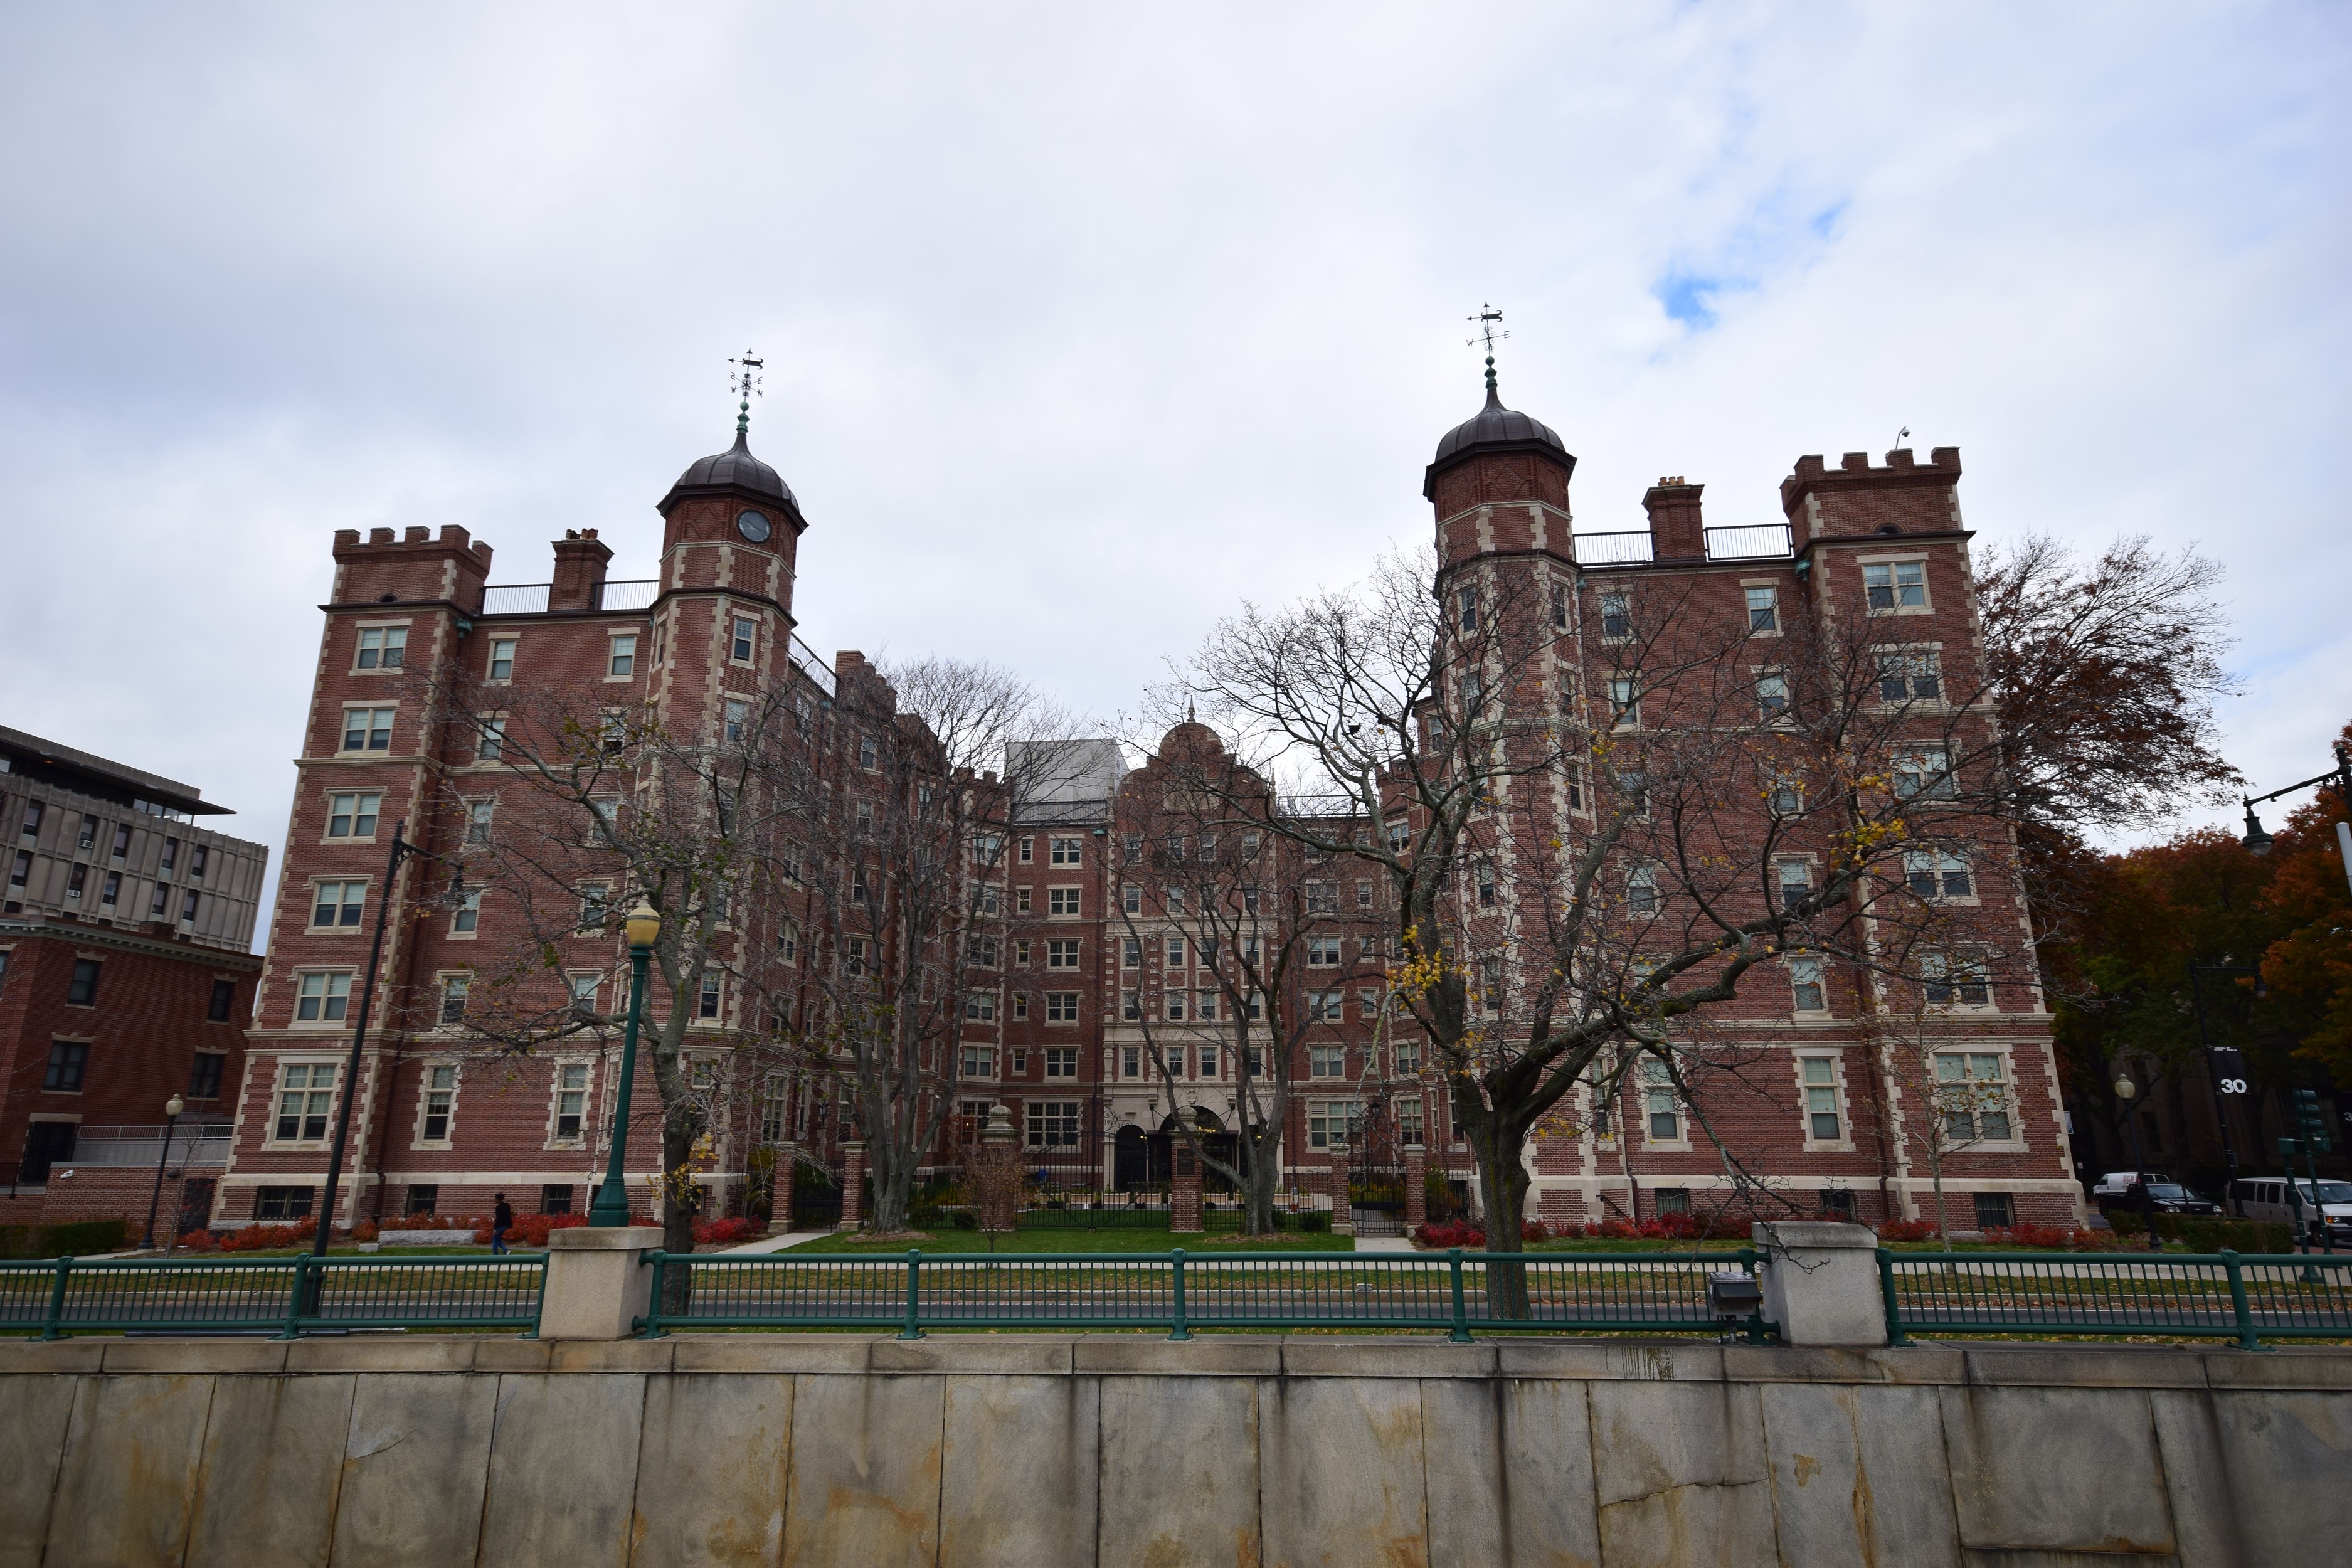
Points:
x=713 y=1470
x=416 y=1464
x=1344 y=1476
x=35 y=1412
x=1680 y=1476
x=1858 y=1476
x=1179 y=1473
x=1509 y=1468
x=2287 y=1456
x=784 y=1355
x=866 y=1460
x=563 y=1469
x=133 y=1452
x=1018 y=1482
x=2197 y=1481
x=2020 y=1457
x=273 y=1463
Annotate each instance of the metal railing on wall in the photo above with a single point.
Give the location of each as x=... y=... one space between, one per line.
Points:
x=2221 y=1295
x=292 y=1296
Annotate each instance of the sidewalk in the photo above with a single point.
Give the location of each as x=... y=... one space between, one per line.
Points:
x=777 y=1243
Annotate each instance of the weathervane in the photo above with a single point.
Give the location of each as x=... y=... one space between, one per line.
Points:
x=744 y=381
x=1486 y=318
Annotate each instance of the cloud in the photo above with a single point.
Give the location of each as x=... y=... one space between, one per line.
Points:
x=1084 y=325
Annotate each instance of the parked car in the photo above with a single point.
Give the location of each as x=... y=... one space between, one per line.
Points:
x=2121 y=1189
x=2264 y=1198
x=2111 y=1187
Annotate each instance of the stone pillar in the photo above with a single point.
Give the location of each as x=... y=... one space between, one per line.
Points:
x=1821 y=1282
x=1343 y=1213
x=853 y=1185
x=1416 y=1188
x=995 y=1186
x=1183 y=1189
x=597 y=1283
x=780 y=1188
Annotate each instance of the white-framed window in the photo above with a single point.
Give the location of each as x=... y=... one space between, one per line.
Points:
x=1955 y=978
x=1171 y=1006
x=1327 y=1061
x=1062 y=952
x=1130 y=1005
x=737 y=715
x=1368 y=1005
x=1763 y=608
x=1208 y=1061
x=1771 y=697
x=1483 y=879
x=1054 y=1124
x=1661 y=1104
x=466 y=918
x=596 y=906
x=1642 y=891
x=490 y=738
x=1327 y=1006
x=1408 y=1119
x=1256 y=1007
x=707 y=1001
x=853 y=955
x=453 y=989
x=978 y=1061
x=1938 y=874
x=583 y=996
x=1061 y=1007
x=306 y=1102
x=982 y=952
x=1331 y=1121
x=1824 y=1115
x=1206 y=1008
x=1796 y=882
x=382 y=647
x=337 y=905
x=1807 y=994
x=1910 y=674
x=1559 y=608
x=1062 y=900
x=437 y=1112
x=502 y=661
x=1131 y=898
x=1972 y=1093
x=1785 y=794
x=1616 y=613
x=1624 y=702
x=1175 y=952
x=1322 y=953
x=1465 y=610
x=1061 y=1061
x=568 y=1121
x=322 y=998
x=1065 y=852
x=1131 y=1061
x=1894 y=585
x=478 y=815
x=746 y=640
x=1408 y=1058
x=1130 y=953
x=979 y=1007
x=368 y=728
x=621 y=657
x=1924 y=773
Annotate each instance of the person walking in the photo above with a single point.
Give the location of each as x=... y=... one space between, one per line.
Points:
x=501 y=1221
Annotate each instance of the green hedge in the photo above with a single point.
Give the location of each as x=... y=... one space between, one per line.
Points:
x=77 y=1240
x=2205 y=1234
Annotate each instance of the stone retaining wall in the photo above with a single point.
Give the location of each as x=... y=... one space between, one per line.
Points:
x=1106 y=1450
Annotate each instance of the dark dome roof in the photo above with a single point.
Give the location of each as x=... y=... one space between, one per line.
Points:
x=1495 y=424
x=736 y=469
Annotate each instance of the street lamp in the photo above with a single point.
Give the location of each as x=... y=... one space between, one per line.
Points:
x=172 y=1109
x=612 y=1206
x=2125 y=1090
x=2259 y=841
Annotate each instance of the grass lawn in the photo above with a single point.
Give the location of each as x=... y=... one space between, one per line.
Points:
x=1112 y=1240
x=345 y=1250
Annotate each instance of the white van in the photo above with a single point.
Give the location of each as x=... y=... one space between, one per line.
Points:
x=2264 y=1198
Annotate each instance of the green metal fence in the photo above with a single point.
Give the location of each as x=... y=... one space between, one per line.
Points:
x=1454 y=1292
x=288 y=1296
x=2220 y=1295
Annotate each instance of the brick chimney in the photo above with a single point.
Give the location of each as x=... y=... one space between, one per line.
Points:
x=579 y=561
x=1676 y=532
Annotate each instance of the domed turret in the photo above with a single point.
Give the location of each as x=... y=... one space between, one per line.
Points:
x=734 y=472
x=1497 y=427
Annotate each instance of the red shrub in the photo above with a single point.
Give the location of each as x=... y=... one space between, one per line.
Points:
x=1613 y=1230
x=1906 y=1230
x=1534 y=1230
x=199 y=1241
x=364 y=1231
x=1444 y=1233
x=721 y=1232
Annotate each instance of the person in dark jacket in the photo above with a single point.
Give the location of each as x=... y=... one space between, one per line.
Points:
x=501 y=1221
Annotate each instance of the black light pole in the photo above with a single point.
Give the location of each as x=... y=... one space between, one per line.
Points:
x=2125 y=1090
x=2214 y=1075
x=611 y=1207
x=172 y=1109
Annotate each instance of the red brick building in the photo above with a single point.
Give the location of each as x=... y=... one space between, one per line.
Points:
x=124 y=980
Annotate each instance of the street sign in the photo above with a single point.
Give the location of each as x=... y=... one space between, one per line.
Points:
x=2228 y=1065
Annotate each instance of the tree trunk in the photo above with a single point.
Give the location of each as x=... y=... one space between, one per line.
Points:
x=1503 y=1182
x=894 y=1181
x=1257 y=1189
x=1936 y=1175
x=678 y=1216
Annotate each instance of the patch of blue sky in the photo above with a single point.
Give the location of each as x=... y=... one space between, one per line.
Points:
x=1776 y=238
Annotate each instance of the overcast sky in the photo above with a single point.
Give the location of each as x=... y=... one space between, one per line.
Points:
x=1082 y=323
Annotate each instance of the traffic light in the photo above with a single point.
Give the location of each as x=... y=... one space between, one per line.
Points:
x=2310 y=1120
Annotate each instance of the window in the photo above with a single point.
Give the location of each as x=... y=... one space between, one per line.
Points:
x=1021 y=951
x=1131 y=898
x=1473 y=690
x=555 y=1197
x=1331 y=1121
x=367 y=728
x=453 y=998
x=1322 y=953
x=112 y=890
x=353 y=815
x=1062 y=953
x=1909 y=674
x=1674 y=1200
x=171 y=854
x=205 y=1075
x=81 y=989
x=1327 y=1006
x=1130 y=1062
x=1954 y=980
x=1616 y=615
x=1484 y=873
x=223 y=998
x=22 y=869
x=1021 y=901
x=306 y=1093
x=854 y=955
x=1326 y=1061
x=596 y=905
x=1642 y=891
x=1896 y=586
x=1763 y=609
x=490 y=741
x=1061 y=900
x=747 y=631
x=570 y=1101
x=583 y=997
x=1028 y=852
x=1822 y=1123
x=707 y=1004
x=1972 y=1092
x=738 y=714
x=1208 y=1061
x=1624 y=702
x=869 y=753
x=1065 y=852
x=1559 y=609
x=383 y=648
x=1053 y=1124
x=615 y=735
x=160 y=903
x=122 y=844
x=1936 y=874
x=1465 y=610
x=440 y=1097
x=978 y=1061
x=1837 y=1202
x=1173 y=1006
x=77 y=878
x=622 y=661
x=1786 y=795
x=1796 y=883
x=188 y=906
x=33 y=810
x=981 y=951
x=1994 y=1212
x=68 y=1061
x=322 y=998
x=1256 y=1008
x=285 y=1203
x=337 y=904
x=1130 y=953
x=1061 y=1007
x=1207 y=1009
x=1666 y=1125
x=1924 y=773
x=1175 y=952
x=979 y=1007
x=466 y=918
x=1805 y=981
x=1061 y=1061
x=501 y=667
x=1771 y=697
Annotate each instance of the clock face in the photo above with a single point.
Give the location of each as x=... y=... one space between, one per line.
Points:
x=754 y=527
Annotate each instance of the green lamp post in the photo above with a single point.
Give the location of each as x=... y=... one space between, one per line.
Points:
x=612 y=1204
